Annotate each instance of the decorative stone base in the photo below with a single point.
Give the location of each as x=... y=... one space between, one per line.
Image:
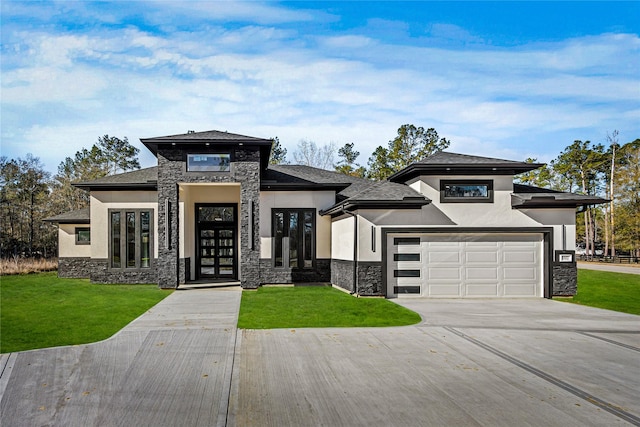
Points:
x=270 y=274
x=565 y=279
x=369 y=277
x=74 y=268
x=101 y=274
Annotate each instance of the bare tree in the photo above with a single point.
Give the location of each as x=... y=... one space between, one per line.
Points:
x=308 y=153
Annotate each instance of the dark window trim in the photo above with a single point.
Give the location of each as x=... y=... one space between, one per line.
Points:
x=82 y=242
x=123 y=239
x=204 y=153
x=487 y=182
x=285 y=232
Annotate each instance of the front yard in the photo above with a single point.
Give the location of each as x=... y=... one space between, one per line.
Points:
x=41 y=310
x=611 y=291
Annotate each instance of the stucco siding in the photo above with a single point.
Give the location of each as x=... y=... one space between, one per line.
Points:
x=317 y=200
x=102 y=201
x=67 y=247
x=342 y=239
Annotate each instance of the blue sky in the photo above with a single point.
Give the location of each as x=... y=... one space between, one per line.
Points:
x=501 y=79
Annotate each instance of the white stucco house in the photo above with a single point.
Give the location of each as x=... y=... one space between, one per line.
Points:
x=213 y=209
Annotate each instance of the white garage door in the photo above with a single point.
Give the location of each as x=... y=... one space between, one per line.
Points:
x=465 y=265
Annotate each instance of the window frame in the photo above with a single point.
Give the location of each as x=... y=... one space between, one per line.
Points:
x=286 y=260
x=226 y=168
x=478 y=182
x=123 y=246
x=77 y=235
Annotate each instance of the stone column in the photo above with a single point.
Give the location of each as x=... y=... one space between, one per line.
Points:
x=168 y=229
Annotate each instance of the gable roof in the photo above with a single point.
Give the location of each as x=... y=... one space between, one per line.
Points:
x=446 y=163
x=141 y=179
x=527 y=196
x=80 y=216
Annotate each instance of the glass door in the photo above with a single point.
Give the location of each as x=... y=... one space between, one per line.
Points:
x=216 y=242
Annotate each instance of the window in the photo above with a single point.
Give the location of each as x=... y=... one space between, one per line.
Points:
x=130 y=238
x=468 y=191
x=208 y=162
x=83 y=236
x=294 y=238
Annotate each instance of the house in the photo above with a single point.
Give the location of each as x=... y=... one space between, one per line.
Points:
x=213 y=209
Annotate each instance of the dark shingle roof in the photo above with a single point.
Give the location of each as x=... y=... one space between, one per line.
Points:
x=138 y=179
x=445 y=163
x=80 y=216
x=526 y=196
x=206 y=136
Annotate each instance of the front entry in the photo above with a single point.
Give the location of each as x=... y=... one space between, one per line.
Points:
x=216 y=241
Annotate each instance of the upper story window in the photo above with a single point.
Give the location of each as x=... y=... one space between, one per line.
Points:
x=466 y=191
x=83 y=236
x=208 y=162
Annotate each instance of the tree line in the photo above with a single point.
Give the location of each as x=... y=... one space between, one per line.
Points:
x=610 y=170
x=28 y=194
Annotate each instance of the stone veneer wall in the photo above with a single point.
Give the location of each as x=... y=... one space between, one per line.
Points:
x=100 y=273
x=369 y=277
x=271 y=274
x=245 y=169
x=74 y=268
x=565 y=279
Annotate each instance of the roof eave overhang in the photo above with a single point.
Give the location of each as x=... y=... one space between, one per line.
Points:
x=266 y=186
x=352 y=205
x=415 y=170
x=116 y=187
x=154 y=143
x=67 y=221
x=550 y=202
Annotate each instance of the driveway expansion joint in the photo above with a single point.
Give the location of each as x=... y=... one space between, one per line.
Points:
x=611 y=408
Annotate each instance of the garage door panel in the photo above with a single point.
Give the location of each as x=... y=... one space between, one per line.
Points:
x=444 y=257
x=481 y=257
x=443 y=290
x=514 y=290
x=520 y=273
x=438 y=273
x=478 y=290
x=487 y=273
x=519 y=256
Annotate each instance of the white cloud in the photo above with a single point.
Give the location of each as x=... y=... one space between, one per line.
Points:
x=66 y=88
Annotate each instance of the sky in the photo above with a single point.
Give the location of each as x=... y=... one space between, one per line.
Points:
x=500 y=79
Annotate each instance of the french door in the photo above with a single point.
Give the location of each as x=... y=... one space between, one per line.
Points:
x=217 y=241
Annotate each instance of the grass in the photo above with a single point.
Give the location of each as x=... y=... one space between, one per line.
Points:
x=611 y=291
x=42 y=310
x=317 y=307
x=19 y=265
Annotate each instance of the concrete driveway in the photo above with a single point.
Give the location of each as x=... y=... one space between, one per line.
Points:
x=468 y=363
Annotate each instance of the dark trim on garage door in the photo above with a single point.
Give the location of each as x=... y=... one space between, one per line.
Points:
x=547 y=235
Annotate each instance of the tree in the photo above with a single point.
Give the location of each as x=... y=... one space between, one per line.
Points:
x=580 y=163
x=610 y=223
x=309 y=154
x=108 y=156
x=540 y=177
x=23 y=194
x=347 y=164
x=278 y=153
x=117 y=154
x=627 y=185
x=409 y=146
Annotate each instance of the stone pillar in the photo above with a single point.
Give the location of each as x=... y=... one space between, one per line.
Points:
x=168 y=229
x=565 y=279
x=248 y=174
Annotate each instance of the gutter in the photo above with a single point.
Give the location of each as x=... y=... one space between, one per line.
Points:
x=355 y=250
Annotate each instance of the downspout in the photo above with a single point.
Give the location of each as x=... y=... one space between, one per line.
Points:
x=355 y=250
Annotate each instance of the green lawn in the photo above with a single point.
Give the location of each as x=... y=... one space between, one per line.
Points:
x=315 y=307
x=41 y=310
x=612 y=291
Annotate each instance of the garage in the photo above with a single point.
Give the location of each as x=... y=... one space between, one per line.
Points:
x=465 y=265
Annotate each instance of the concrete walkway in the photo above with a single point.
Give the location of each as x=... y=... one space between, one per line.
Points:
x=170 y=367
x=529 y=362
